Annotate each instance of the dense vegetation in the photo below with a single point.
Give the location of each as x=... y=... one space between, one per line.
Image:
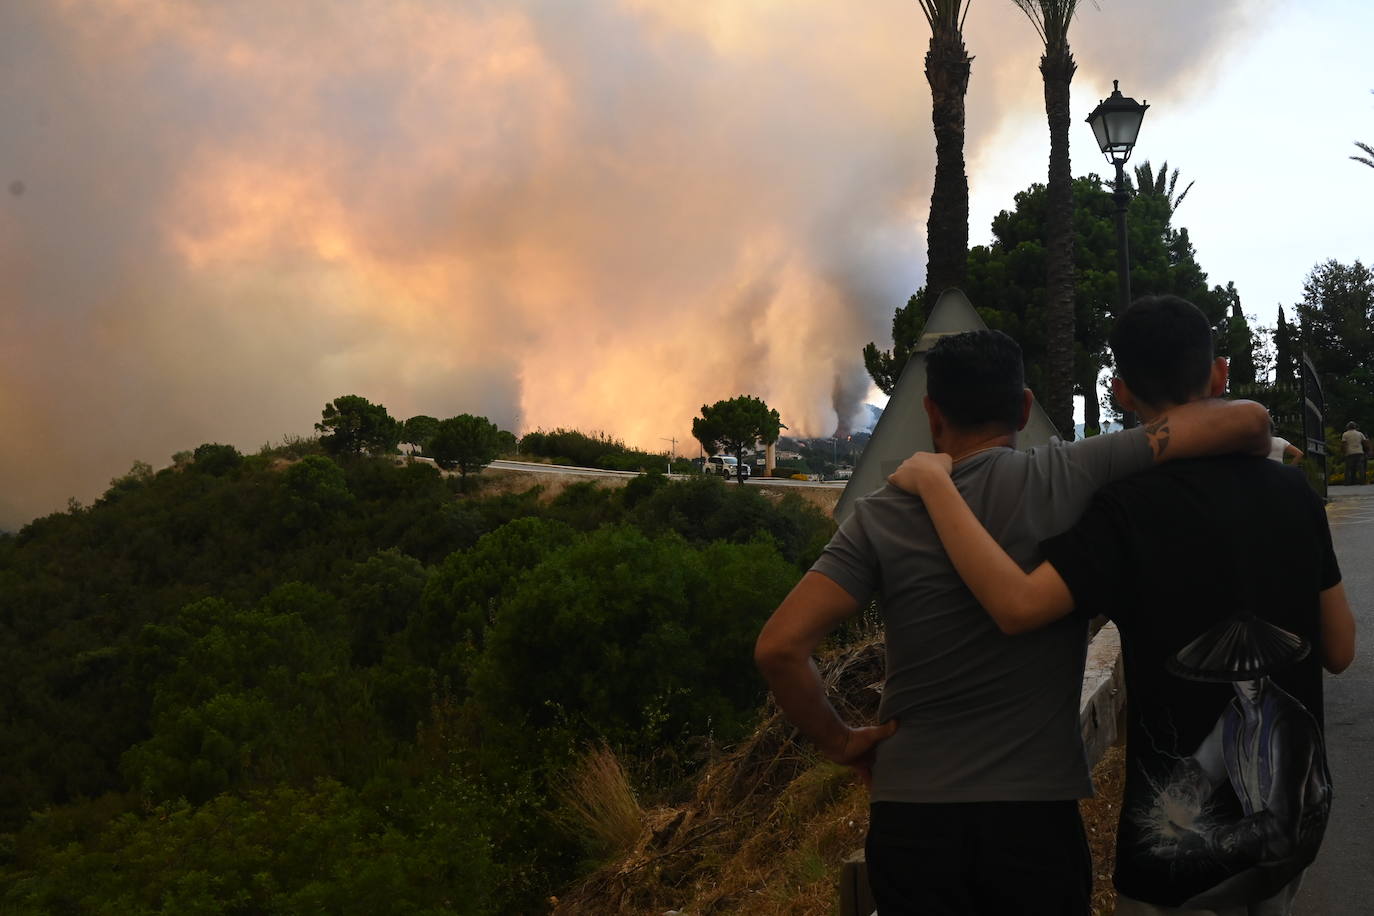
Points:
x=1006 y=281
x=281 y=683
x=1335 y=327
x=593 y=450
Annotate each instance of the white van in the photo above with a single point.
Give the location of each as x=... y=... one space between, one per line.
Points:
x=725 y=466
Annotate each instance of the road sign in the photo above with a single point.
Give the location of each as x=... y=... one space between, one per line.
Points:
x=903 y=428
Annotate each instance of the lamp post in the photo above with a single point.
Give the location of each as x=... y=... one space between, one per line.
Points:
x=673 y=456
x=1116 y=123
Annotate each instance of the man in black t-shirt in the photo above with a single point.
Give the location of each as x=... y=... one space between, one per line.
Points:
x=1228 y=608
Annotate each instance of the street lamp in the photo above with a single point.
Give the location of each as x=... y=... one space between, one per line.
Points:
x=673 y=456
x=1116 y=123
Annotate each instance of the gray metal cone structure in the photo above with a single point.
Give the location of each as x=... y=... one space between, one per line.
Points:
x=903 y=427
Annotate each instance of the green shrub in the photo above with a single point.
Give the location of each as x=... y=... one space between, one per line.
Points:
x=704 y=509
x=641 y=641
x=597 y=450
x=380 y=596
x=312 y=492
x=460 y=598
x=215 y=459
x=588 y=505
x=286 y=850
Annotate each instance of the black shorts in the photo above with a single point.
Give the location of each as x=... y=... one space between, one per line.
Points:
x=983 y=858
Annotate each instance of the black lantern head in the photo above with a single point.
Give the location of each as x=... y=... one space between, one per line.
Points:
x=1116 y=122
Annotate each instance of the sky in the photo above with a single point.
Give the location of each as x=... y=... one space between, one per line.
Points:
x=598 y=214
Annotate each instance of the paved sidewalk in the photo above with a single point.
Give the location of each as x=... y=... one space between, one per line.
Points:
x=1341 y=882
x=1338 y=493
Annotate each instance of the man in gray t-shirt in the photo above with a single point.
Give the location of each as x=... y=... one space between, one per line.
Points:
x=978 y=764
x=982 y=716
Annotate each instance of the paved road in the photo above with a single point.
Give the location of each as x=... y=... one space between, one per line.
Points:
x=539 y=468
x=1341 y=882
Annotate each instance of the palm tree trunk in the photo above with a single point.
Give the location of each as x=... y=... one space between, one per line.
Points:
x=947 y=70
x=1057 y=67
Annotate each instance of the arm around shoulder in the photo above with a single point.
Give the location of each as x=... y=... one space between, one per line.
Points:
x=1016 y=600
x=1211 y=426
x=1337 y=630
x=1044 y=599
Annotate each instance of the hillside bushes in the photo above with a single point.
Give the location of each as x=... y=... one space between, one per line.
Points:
x=234 y=687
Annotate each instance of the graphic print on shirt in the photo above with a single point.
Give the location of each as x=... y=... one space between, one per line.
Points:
x=1250 y=802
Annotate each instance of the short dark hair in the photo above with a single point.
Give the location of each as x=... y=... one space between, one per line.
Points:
x=1163 y=349
x=976 y=378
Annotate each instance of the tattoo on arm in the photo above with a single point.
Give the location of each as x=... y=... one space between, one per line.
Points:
x=1157 y=432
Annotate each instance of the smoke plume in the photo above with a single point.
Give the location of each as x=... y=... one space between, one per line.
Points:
x=596 y=214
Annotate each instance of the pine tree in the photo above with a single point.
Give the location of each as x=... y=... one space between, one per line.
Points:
x=1285 y=360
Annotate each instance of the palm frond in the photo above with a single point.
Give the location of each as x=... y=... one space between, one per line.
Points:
x=1145 y=177
x=928 y=7
x=1367 y=159
x=1050 y=18
x=1179 y=199
x=1162 y=182
x=945 y=14
x=1033 y=11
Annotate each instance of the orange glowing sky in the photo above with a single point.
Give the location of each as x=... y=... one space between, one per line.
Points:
x=595 y=214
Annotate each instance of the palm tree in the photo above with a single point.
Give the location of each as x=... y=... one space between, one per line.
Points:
x=1147 y=182
x=1051 y=19
x=947 y=70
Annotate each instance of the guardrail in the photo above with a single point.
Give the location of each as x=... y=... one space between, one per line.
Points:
x=1100 y=706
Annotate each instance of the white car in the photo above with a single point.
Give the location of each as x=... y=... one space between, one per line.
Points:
x=725 y=466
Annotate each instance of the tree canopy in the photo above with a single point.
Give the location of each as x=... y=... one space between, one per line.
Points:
x=418 y=431
x=1336 y=328
x=352 y=425
x=1006 y=280
x=736 y=424
x=466 y=443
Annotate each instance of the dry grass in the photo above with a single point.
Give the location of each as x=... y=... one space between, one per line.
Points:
x=823 y=498
x=497 y=481
x=1100 y=814
x=765 y=831
x=601 y=803
x=770 y=824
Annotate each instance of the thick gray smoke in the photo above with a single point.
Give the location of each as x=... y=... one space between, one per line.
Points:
x=599 y=214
